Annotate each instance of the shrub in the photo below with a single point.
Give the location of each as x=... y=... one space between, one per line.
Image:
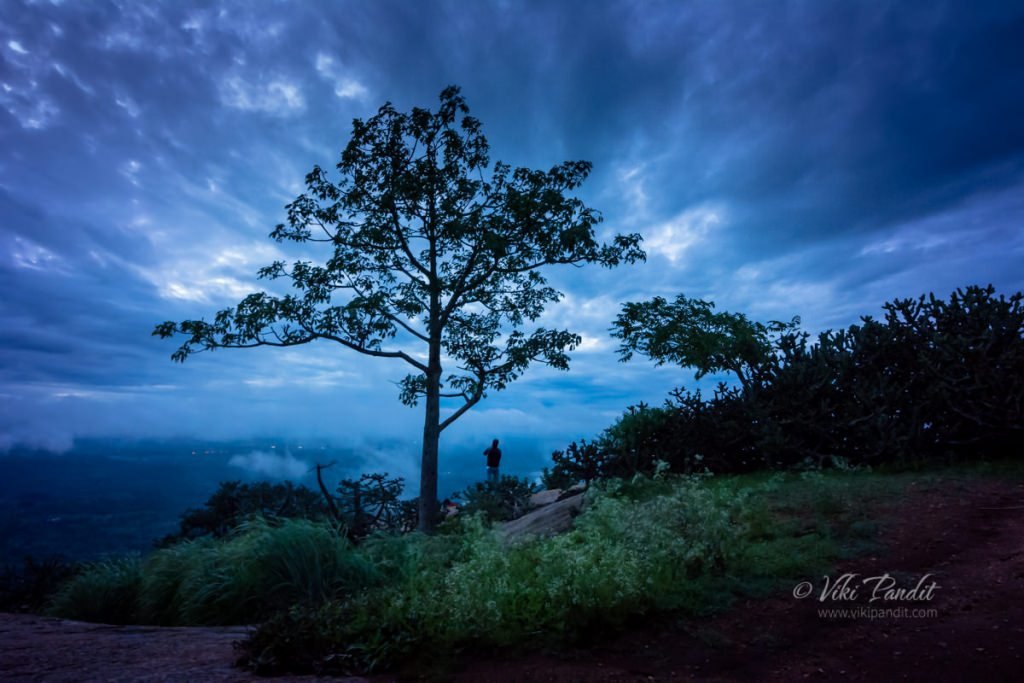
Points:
x=105 y=592
x=261 y=568
x=507 y=499
x=639 y=547
x=30 y=587
x=233 y=502
x=934 y=380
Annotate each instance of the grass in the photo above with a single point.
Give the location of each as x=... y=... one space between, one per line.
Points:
x=687 y=545
x=260 y=569
x=684 y=545
x=106 y=591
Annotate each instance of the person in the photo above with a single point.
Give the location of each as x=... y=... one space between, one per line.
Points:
x=493 y=461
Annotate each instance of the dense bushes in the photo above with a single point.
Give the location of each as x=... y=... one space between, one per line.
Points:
x=28 y=587
x=678 y=543
x=239 y=579
x=233 y=502
x=500 y=501
x=105 y=592
x=933 y=380
x=639 y=547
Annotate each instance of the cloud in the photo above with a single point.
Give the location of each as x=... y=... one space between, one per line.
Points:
x=675 y=237
x=817 y=161
x=345 y=86
x=272 y=465
x=277 y=97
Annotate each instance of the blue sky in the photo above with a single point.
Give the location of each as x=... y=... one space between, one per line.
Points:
x=798 y=158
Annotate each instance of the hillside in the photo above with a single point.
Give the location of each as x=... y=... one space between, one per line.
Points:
x=967 y=532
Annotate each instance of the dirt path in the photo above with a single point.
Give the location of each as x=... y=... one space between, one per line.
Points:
x=969 y=536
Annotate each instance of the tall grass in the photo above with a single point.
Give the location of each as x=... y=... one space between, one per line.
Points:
x=105 y=592
x=680 y=544
x=259 y=569
x=639 y=547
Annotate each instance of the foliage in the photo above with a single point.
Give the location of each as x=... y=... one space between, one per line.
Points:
x=106 y=591
x=640 y=546
x=686 y=544
x=260 y=568
x=373 y=503
x=233 y=502
x=507 y=499
x=688 y=332
x=933 y=380
x=29 y=587
x=579 y=462
x=433 y=249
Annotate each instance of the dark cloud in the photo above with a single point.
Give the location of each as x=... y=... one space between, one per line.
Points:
x=800 y=158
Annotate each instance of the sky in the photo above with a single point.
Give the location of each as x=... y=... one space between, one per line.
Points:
x=810 y=158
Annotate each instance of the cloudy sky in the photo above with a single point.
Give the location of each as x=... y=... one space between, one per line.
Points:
x=800 y=158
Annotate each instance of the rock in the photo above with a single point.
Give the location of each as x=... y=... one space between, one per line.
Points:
x=546 y=521
x=542 y=498
x=43 y=648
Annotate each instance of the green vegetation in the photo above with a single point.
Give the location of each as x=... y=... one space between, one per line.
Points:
x=935 y=381
x=680 y=544
x=506 y=499
x=233 y=502
x=687 y=506
x=106 y=591
x=239 y=579
x=674 y=544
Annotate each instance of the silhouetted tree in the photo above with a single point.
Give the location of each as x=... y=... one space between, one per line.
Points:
x=688 y=332
x=234 y=501
x=432 y=249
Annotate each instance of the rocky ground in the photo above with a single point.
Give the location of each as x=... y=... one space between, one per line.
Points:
x=968 y=535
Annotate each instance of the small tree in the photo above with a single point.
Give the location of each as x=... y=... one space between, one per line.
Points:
x=433 y=253
x=688 y=332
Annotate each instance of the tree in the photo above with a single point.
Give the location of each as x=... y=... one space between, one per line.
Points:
x=688 y=332
x=434 y=260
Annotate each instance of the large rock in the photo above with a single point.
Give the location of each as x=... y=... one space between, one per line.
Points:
x=542 y=498
x=551 y=519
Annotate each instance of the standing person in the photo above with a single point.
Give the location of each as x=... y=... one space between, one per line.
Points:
x=493 y=461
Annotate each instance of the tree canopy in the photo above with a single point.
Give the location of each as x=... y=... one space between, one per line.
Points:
x=434 y=257
x=688 y=332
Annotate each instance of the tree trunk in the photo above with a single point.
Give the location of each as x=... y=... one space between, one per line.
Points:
x=431 y=434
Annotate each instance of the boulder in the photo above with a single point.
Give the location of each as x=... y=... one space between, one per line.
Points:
x=549 y=520
x=542 y=498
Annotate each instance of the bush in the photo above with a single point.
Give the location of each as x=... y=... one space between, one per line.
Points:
x=30 y=587
x=639 y=547
x=105 y=592
x=508 y=499
x=233 y=502
x=261 y=568
x=933 y=381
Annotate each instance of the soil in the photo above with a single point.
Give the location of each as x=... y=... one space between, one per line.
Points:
x=968 y=536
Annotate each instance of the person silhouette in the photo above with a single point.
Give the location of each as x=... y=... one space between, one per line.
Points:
x=493 y=462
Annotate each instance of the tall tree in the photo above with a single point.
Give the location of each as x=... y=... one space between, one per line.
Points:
x=435 y=259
